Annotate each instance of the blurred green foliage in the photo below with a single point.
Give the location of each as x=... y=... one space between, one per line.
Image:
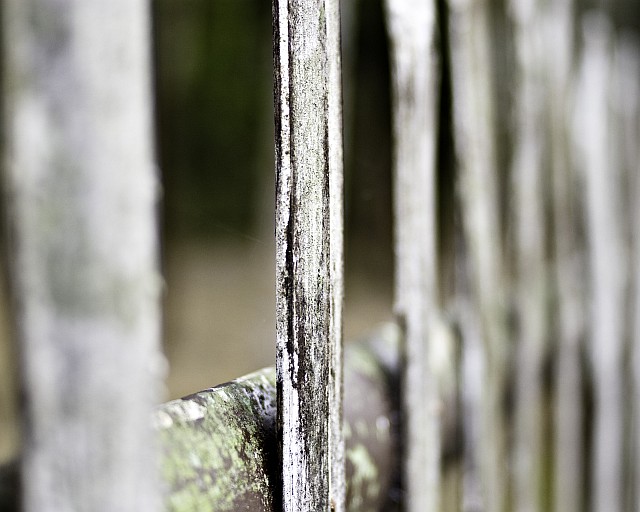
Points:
x=212 y=63
x=213 y=80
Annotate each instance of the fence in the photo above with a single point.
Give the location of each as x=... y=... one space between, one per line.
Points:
x=508 y=382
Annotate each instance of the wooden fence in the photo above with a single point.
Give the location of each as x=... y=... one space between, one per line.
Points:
x=511 y=378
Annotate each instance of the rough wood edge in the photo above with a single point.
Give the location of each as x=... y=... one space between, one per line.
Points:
x=309 y=285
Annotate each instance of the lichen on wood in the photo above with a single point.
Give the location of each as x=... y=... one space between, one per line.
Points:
x=220 y=447
x=309 y=283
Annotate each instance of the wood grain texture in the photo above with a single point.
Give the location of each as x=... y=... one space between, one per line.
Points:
x=82 y=188
x=309 y=253
x=415 y=79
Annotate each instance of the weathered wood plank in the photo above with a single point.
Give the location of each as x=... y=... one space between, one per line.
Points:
x=82 y=190
x=415 y=80
x=626 y=100
x=594 y=135
x=623 y=86
x=470 y=35
x=569 y=265
x=529 y=185
x=309 y=252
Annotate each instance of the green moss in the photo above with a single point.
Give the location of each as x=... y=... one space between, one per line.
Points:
x=364 y=481
x=214 y=442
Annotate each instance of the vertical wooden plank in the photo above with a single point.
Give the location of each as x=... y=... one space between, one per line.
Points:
x=336 y=253
x=528 y=182
x=627 y=104
x=569 y=269
x=608 y=266
x=82 y=190
x=309 y=253
x=411 y=27
x=624 y=103
x=475 y=133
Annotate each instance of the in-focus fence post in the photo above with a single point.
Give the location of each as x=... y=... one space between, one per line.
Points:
x=411 y=27
x=82 y=192
x=309 y=285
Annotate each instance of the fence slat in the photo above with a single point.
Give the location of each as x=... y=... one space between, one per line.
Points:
x=627 y=104
x=309 y=253
x=470 y=36
x=529 y=181
x=569 y=459
x=82 y=191
x=595 y=137
x=411 y=27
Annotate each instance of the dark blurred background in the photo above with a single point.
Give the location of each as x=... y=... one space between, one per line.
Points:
x=214 y=111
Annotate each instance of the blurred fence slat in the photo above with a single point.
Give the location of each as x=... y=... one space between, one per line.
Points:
x=569 y=457
x=475 y=115
x=82 y=190
x=627 y=105
x=415 y=77
x=309 y=253
x=529 y=179
x=594 y=134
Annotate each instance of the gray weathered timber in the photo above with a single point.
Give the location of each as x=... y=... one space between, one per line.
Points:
x=627 y=107
x=411 y=28
x=569 y=414
x=569 y=267
x=474 y=109
x=336 y=252
x=82 y=190
x=220 y=450
x=529 y=180
x=309 y=253
x=594 y=134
